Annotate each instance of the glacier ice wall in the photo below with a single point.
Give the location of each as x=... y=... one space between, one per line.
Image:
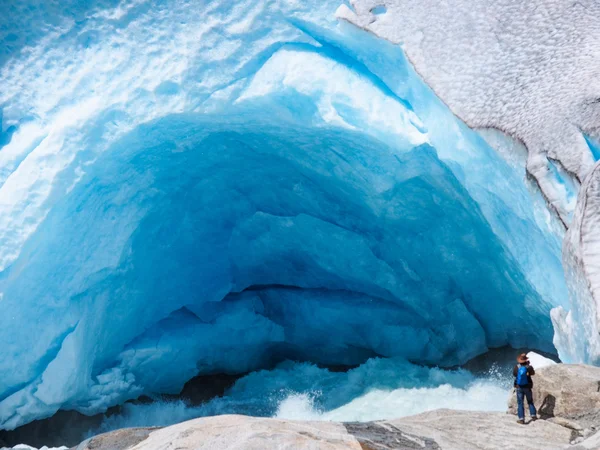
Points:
x=530 y=69
x=202 y=188
x=577 y=331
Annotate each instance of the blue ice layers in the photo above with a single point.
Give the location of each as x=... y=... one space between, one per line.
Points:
x=290 y=189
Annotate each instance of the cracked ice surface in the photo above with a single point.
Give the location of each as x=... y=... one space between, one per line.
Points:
x=193 y=189
x=531 y=69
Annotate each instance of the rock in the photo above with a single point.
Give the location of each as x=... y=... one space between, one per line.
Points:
x=235 y=432
x=117 y=440
x=383 y=435
x=475 y=430
x=435 y=430
x=564 y=390
x=590 y=421
x=566 y=423
x=591 y=443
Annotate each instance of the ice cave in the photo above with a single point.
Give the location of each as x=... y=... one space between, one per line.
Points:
x=272 y=189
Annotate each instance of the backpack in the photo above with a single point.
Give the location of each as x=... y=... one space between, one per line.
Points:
x=522 y=376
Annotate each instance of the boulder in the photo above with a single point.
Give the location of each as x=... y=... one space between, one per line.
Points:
x=564 y=390
x=231 y=432
x=123 y=439
x=479 y=430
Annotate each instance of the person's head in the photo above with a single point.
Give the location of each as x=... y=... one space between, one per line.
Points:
x=523 y=359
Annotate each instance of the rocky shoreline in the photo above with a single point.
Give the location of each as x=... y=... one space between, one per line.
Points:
x=567 y=397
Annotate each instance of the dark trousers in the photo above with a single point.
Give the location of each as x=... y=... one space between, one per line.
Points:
x=525 y=392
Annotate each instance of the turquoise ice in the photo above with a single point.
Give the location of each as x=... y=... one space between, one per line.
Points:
x=204 y=188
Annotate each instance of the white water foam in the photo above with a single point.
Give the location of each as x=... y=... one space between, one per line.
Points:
x=27 y=447
x=380 y=404
x=378 y=389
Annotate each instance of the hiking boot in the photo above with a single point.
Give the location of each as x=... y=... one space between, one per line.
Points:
x=533 y=418
x=521 y=421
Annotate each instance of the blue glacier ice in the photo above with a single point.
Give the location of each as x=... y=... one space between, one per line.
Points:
x=217 y=187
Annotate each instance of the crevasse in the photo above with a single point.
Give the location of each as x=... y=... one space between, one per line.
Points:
x=204 y=188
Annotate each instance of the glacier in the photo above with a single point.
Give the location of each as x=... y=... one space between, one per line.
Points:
x=214 y=187
x=537 y=81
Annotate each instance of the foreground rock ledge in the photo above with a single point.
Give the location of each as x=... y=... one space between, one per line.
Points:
x=567 y=395
x=440 y=429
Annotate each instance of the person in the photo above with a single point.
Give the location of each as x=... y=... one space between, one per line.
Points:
x=523 y=372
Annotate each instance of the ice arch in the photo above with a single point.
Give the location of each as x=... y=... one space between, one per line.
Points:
x=207 y=246
x=312 y=200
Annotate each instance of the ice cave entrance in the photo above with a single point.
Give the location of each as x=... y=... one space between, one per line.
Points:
x=227 y=244
x=326 y=216
x=231 y=245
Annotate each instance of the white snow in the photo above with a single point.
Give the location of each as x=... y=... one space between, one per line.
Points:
x=538 y=361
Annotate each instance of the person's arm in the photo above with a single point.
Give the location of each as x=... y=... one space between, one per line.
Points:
x=530 y=370
x=515 y=371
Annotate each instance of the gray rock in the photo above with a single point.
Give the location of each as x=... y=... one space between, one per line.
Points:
x=383 y=436
x=440 y=429
x=589 y=420
x=571 y=424
x=475 y=430
x=591 y=443
x=230 y=432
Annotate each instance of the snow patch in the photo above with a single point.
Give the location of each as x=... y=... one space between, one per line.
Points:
x=538 y=361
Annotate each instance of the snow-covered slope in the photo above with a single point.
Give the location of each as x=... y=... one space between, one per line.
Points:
x=202 y=188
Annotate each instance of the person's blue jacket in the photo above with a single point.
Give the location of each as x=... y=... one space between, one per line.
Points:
x=530 y=371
